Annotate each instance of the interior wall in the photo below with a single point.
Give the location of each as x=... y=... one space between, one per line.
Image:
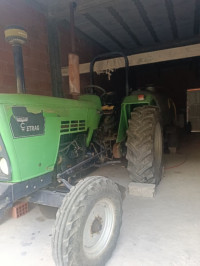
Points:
x=172 y=78
x=35 y=51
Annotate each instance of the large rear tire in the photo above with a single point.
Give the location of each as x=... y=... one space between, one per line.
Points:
x=145 y=145
x=88 y=223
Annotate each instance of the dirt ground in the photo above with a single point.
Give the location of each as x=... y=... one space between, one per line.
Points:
x=164 y=230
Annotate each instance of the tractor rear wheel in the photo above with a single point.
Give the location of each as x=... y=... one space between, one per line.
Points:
x=145 y=145
x=88 y=223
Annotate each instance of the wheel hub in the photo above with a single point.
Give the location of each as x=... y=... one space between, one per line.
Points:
x=96 y=225
x=98 y=228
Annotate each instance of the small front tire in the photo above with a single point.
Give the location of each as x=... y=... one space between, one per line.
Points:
x=88 y=223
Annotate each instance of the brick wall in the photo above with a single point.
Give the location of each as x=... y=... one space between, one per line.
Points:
x=35 y=51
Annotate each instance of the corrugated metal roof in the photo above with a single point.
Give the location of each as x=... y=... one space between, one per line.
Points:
x=132 y=25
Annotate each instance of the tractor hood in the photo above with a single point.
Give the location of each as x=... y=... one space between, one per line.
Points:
x=31 y=127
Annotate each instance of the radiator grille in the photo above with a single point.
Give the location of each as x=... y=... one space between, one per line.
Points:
x=72 y=126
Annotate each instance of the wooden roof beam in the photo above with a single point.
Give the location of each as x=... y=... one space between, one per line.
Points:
x=141 y=59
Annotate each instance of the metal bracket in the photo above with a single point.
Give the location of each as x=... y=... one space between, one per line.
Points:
x=76 y=168
x=11 y=192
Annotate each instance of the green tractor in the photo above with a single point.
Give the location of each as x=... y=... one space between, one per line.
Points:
x=46 y=142
x=143 y=119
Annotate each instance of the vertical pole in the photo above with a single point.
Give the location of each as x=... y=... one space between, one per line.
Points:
x=19 y=68
x=17 y=36
x=72 y=6
x=54 y=55
x=73 y=59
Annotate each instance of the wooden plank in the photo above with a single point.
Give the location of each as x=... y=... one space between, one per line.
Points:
x=141 y=59
x=74 y=77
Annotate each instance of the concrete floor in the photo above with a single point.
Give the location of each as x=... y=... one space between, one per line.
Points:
x=164 y=230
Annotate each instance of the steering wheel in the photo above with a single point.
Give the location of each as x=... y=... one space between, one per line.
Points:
x=90 y=89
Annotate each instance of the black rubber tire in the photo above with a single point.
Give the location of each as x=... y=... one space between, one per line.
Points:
x=145 y=145
x=69 y=241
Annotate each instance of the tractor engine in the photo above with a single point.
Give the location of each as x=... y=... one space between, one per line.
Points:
x=72 y=150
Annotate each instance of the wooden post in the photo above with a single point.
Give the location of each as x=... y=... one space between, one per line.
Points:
x=73 y=59
x=74 y=76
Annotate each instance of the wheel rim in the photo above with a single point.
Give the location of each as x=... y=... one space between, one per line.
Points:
x=158 y=146
x=98 y=228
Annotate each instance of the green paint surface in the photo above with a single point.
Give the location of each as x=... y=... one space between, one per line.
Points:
x=33 y=156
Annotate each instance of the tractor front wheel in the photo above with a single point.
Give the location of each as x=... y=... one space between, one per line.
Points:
x=88 y=223
x=145 y=145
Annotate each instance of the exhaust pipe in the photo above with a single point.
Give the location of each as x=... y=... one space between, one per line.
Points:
x=17 y=36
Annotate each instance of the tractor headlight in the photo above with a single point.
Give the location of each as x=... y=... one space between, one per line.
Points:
x=4 y=166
